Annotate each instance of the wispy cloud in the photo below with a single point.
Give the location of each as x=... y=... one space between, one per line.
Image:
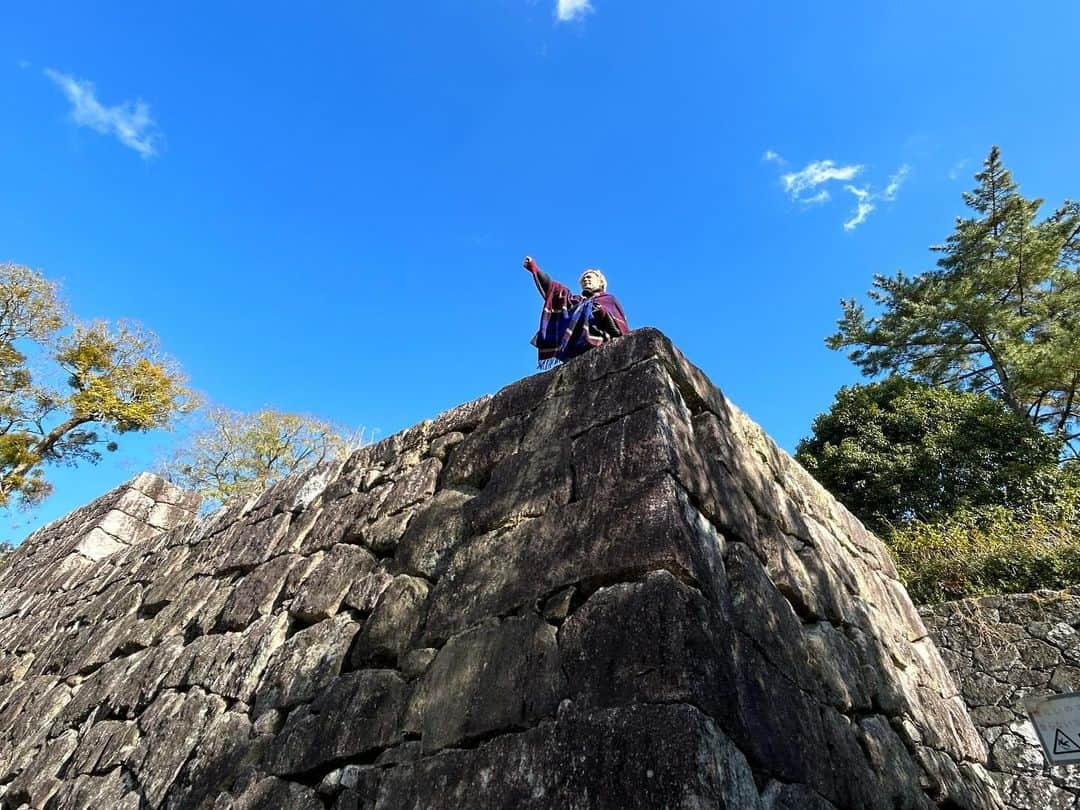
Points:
x=566 y=10
x=796 y=184
x=954 y=172
x=863 y=206
x=24 y=64
x=808 y=185
x=129 y=121
x=865 y=199
x=897 y=180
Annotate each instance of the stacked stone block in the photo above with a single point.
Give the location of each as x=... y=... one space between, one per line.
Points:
x=603 y=587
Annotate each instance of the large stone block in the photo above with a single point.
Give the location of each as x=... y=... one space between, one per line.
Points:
x=651 y=527
x=356 y=714
x=500 y=675
x=630 y=758
x=301 y=667
x=653 y=641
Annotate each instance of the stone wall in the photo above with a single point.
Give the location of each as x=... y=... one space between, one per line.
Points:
x=1003 y=649
x=604 y=587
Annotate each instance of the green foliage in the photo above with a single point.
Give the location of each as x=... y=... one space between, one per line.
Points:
x=1000 y=314
x=961 y=476
x=237 y=455
x=114 y=381
x=990 y=550
x=898 y=450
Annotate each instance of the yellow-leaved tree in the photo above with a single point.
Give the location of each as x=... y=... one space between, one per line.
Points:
x=233 y=454
x=68 y=389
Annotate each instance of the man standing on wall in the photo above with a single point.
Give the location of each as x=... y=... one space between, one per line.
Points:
x=572 y=324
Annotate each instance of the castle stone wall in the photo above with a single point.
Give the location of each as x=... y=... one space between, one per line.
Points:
x=603 y=587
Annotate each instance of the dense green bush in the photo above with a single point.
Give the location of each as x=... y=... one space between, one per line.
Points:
x=990 y=550
x=897 y=451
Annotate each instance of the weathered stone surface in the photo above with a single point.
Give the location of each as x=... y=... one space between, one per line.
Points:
x=1033 y=792
x=778 y=796
x=415 y=486
x=229 y=664
x=592 y=542
x=256 y=593
x=629 y=757
x=171 y=728
x=603 y=587
x=105 y=746
x=271 y=792
x=323 y=590
x=26 y=717
x=1002 y=649
x=415 y=663
x=37 y=784
x=323 y=732
x=246 y=545
x=435 y=529
x=521 y=486
x=383 y=535
x=305 y=664
x=500 y=675
x=99 y=544
x=365 y=591
x=338 y=521
x=225 y=754
x=114 y=790
x=393 y=624
x=641 y=642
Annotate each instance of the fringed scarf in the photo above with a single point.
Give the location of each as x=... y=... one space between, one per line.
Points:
x=572 y=324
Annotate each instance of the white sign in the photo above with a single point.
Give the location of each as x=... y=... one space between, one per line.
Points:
x=1057 y=722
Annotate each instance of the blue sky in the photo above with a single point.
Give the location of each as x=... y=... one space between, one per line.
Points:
x=323 y=208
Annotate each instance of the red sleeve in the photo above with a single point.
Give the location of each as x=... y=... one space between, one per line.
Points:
x=542 y=279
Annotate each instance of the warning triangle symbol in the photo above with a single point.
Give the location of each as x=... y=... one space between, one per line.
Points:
x=1064 y=744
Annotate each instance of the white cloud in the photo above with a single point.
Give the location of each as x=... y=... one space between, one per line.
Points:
x=863 y=207
x=821 y=197
x=865 y=199
x=24 y=64
x=566 y=10
x=129 y=121
x=954 y=172
x=895 y=182
x=814 y=175
x=808 y=185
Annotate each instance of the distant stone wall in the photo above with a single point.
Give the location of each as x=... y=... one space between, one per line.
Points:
x=1002 y=649
x=62 y=554
x=604 y=587
x=43 y=588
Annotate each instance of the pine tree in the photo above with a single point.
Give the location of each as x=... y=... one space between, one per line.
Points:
x=1000 y=314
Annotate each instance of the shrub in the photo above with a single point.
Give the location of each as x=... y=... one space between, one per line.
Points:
x=897 y=451
x=989 y=550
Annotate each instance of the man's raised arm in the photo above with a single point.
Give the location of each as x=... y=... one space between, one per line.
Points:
x=542 y=279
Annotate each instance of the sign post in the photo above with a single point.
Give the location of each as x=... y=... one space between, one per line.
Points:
x=1056 y=719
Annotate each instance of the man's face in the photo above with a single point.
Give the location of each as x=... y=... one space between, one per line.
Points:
x=591 y=282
